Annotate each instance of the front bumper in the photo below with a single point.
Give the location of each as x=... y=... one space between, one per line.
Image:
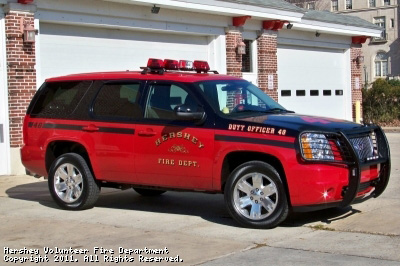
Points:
x=357 y=188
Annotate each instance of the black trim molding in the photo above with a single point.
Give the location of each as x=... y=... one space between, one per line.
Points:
x=268 y=142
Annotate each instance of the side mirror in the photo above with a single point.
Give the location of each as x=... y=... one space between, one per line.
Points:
x=185 y=112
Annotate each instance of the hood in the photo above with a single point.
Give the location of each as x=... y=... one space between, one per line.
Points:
x=300 y=123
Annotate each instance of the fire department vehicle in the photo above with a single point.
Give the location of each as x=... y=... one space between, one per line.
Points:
x=167 y=128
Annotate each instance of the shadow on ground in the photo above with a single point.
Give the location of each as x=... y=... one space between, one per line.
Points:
x=210 y=207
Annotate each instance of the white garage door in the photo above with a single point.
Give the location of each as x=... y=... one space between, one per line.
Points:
x=67 y=49
x=313 y=81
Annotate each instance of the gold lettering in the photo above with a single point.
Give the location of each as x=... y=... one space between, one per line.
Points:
x=186 y=136
x=172 y=135
x=194 y=140
x=166 y=161
x=201 y=145
x=242 y=127
x=272 y=130
x=179 y=134
x=164 y=137
x=230 y=127
x=158 y=142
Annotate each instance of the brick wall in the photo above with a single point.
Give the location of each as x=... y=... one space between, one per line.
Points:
x=233 y=60
x=356 y=70
x=268 y=64
x=21 y=73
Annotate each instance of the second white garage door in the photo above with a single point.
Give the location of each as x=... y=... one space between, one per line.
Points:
x=314 y=81
x=67 y=49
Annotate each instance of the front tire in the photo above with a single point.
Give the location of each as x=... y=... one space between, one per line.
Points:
x=255 y=196
x=71 y=183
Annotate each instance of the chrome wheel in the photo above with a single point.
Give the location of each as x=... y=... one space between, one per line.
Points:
x=255 y=196
x=68 y=183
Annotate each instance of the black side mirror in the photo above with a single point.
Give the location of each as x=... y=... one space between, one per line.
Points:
x=185 y=112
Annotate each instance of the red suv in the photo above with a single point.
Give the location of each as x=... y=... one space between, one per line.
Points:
x=165 y=128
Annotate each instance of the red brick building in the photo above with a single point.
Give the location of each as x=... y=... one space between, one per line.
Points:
x=308 y=61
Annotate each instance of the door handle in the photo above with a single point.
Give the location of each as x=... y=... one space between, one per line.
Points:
x=90 y=128
x=147 y=133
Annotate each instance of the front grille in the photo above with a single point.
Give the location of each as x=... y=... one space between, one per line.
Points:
x=365 y=147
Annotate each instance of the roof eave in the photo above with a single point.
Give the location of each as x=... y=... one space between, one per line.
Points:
x=339 y=29
x=221 y=8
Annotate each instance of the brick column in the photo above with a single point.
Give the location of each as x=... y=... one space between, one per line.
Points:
x=356 y=82
x=233 y=60
x=268 y=64
x=20 y=71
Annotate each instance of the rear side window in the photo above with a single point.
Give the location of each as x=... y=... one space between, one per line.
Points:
x=118 y=101
x=59 y=99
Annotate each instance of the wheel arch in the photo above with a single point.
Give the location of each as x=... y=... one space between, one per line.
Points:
x=236 y=158
x=57 y=148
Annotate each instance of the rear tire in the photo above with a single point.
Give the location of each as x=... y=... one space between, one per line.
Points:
x=255 y=196
x=71 y=183
x=149 y=192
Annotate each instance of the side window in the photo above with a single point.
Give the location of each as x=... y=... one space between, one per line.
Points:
x=118 y=101
x=163 y=98
x=59 y=99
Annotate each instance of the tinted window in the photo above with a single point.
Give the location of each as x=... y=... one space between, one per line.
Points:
x=118 y=101
x=59 y=99
x=163 y=98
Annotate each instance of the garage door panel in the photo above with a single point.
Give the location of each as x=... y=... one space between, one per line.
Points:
x=66 y=49
x=302 y=69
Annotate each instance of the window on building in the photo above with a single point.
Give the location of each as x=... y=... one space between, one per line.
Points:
x=247 y=58
x=386 y=2
x=392 y=23
x=381 y=64
x=349 y=4
x=335 y=5
x=380 y=21
x=311 y=5
x=372 y=3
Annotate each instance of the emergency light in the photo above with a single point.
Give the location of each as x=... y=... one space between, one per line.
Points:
x=159 y=65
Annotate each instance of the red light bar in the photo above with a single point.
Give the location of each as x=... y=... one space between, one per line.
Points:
x=155 y=63
x=201 y=66
x=185 y=65
x=171 y=64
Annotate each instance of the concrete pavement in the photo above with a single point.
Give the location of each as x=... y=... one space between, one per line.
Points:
x=197 y=228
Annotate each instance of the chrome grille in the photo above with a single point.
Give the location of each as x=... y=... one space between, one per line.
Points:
x=365 y=147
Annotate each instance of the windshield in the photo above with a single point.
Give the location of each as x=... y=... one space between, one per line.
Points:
x=238 y=97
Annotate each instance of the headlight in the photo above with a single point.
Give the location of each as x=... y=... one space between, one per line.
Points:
x=315 y=146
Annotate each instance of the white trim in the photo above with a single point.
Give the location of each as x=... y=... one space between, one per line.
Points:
x=217 y=53
x=313 y=43
x=38 y=67
x=221 y=8
x=348 y=90
x=4 y=90
x=94 y=20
